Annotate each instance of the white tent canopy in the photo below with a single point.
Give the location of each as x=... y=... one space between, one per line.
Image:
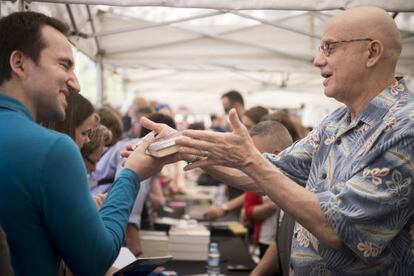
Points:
x=263 y=48
x=310 y=5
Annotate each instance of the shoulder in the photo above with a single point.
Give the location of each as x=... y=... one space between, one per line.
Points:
x=38 y=141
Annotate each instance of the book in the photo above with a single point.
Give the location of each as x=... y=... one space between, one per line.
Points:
x=164 y=147
x=154 y=243
x=189 y=242
x=189 y=234
x=129 y=265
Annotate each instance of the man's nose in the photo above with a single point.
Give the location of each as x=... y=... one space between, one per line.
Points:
x=319 y=60
x=73 y=84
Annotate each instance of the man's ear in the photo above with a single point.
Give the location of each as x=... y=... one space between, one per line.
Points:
x=17 y=59
x=375 y=51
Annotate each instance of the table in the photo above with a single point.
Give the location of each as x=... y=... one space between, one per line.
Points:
x=233 y=250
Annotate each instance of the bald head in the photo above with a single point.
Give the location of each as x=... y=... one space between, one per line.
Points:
x=370 y=22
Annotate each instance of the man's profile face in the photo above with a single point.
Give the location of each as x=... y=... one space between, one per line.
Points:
x=50 y=81
x=258 y=143
x=264 y=145
x=344 y=68
x=227 y=104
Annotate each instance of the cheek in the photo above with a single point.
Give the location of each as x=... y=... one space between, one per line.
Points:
x=79 y=139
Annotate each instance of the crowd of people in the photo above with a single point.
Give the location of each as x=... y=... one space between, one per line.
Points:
x=77 y=182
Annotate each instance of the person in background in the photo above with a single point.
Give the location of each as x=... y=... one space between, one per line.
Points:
x=110 y=118
x=136 y=114
x=79 y=121
x=253 y=116
x=217 y=123
x=165 y=109
x=127 y=117
x=92 y=151
x=283 y=117
x=233 y=99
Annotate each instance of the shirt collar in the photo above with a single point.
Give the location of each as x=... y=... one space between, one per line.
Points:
x=10 y=103
x=381 y=104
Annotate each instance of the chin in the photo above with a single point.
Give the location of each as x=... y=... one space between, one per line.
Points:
x=329 y=93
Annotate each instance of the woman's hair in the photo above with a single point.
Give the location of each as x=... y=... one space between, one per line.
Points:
x=78 y=110
x=283 y=117
x=99 y=136
x=256 y=113
x=113 y=121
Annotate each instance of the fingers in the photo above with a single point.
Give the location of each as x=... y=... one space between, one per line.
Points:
x=204 y=135
x=146 y=141
x=129 y=147
x=147 y=123
x=189 y=151
x=125 y=153
x=199 y=164
x=161 y=130
x=193 y=144
x=235 y=122
x=188 y=157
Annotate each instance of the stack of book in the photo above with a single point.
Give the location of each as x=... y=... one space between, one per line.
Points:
x=189 y=242
x=154 y=243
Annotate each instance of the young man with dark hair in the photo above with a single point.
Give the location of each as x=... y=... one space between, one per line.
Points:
x=233 y=99
x=45 y=206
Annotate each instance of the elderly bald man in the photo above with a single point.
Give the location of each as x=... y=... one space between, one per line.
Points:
x=348 y=184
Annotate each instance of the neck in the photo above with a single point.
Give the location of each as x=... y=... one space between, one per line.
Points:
x=366 y=93
x=15 y=91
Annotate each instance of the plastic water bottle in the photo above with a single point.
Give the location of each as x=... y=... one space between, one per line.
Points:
x=213 y=262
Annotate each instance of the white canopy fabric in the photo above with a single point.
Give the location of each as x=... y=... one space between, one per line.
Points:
x=310 y=5
x=260 y=47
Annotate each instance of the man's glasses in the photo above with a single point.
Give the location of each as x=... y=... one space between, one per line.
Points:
x=327 y=46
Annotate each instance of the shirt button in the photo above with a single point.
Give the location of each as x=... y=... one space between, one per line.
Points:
x=339 y=141
x=323 y=176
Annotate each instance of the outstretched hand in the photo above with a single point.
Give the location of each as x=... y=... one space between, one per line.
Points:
x=208 y=148
x=161 y=130
x=142 y=163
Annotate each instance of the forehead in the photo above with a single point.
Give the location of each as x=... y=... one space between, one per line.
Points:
x=56 y=42
x=225 y=101
x=341 y=27
x=88 y=123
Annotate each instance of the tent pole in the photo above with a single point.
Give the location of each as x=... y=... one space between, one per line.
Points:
x=22 y=6
x=100 y=93
x=150 y=26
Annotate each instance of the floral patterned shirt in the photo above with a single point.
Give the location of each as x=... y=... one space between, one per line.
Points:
x=362 y=171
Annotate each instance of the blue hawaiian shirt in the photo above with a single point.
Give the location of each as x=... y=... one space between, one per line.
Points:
x=362 y=171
